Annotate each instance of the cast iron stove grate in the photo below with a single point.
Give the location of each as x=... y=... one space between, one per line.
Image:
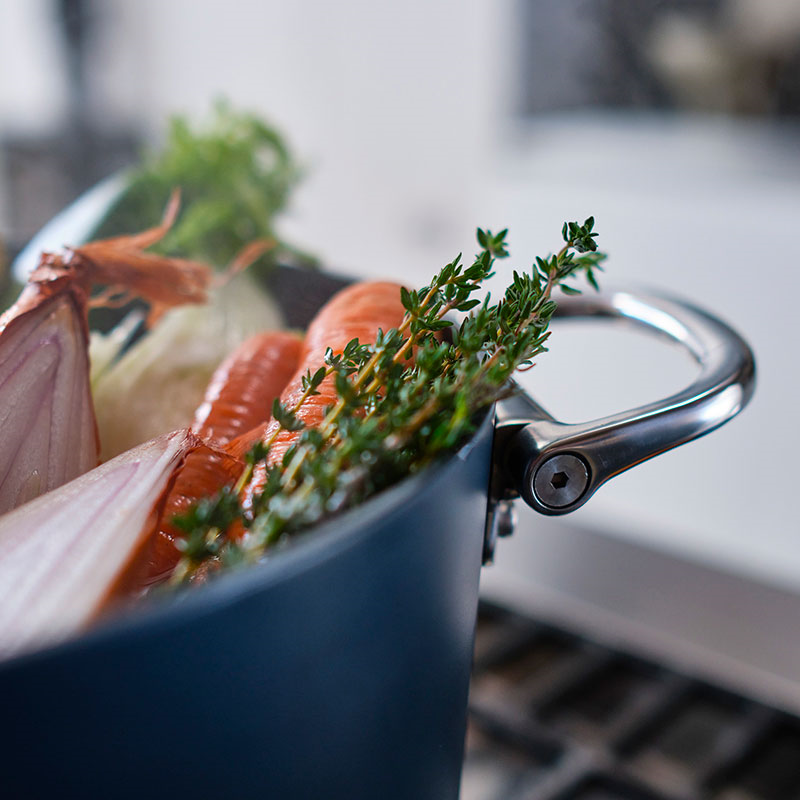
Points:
x=556 y=717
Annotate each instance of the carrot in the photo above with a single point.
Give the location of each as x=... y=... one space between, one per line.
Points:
x=356 y=312
x=238 y=397
x=204 y=472
x=241 y=391
x=239 y=447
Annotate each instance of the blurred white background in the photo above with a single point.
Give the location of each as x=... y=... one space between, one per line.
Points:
x=418 y=121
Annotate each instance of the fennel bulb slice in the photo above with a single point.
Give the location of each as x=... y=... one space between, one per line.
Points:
x=156 y=385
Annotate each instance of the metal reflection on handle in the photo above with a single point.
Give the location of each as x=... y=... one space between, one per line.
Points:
x=556 y=467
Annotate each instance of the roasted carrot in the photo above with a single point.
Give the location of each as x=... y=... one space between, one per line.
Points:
x=357 y=312
x=238 y=397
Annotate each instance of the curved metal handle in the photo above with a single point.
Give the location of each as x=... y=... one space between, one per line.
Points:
x=557 y=467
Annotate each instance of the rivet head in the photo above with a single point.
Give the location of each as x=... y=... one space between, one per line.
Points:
x=560 y=480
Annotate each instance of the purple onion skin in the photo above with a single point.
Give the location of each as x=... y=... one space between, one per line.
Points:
x=47 y=423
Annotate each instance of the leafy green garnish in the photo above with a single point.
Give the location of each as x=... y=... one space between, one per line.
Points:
x=235 y=176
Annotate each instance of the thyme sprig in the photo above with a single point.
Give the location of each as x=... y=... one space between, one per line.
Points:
x=394 y=414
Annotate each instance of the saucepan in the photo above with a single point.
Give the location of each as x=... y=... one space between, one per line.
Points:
x=339 y=668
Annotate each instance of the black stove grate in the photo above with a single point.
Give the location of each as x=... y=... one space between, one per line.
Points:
x=556 y=717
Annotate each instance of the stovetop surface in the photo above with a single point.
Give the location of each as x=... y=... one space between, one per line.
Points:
x=554 y=716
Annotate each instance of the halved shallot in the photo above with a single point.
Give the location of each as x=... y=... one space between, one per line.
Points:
x=47 y=421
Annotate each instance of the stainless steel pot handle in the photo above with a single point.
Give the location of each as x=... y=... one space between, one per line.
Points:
x=556 y=467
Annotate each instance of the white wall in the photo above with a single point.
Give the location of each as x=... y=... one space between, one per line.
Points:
x=32 y=85
x=386 y=104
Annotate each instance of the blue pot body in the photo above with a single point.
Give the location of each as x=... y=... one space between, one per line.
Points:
x=337 y=669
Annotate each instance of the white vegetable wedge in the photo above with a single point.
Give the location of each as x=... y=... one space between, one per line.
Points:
x=64 y=555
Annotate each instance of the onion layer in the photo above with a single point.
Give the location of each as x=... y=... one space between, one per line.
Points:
x=66 y=555
x=47 y=422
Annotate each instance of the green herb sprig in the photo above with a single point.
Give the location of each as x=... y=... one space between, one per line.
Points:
x=235 y=174
x=393 y=415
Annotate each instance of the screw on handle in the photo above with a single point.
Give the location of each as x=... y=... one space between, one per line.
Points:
x=557 y=467
x=560 y=480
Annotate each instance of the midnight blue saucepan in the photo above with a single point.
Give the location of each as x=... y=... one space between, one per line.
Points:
x=339 y=668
